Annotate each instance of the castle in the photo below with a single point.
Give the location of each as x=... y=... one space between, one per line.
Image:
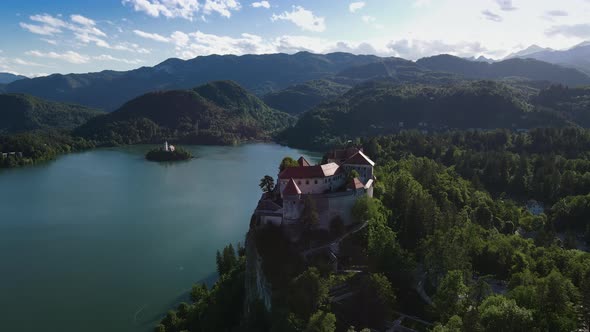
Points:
x=329 y=185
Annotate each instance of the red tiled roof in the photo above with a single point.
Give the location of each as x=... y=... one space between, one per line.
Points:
x=359 y=159
x=291 y=188
x=355 y=184
x=308 y=172
x=302 y=162
x=342 y=154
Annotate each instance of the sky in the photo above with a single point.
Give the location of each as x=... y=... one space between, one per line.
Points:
x=73 y=36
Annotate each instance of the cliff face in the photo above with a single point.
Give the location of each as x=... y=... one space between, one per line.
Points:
x=258 y=288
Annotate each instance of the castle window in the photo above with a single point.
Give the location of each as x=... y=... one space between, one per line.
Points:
x=299 y=182
x=316 y=182
x=307 y=182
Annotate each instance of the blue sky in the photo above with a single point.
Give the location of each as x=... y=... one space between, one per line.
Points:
x=63 y=36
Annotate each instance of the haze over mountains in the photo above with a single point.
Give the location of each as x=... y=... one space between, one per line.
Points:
x=6 y=78
x=577 y=56
x=262 y=74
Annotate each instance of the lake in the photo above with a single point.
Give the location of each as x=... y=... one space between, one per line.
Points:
x=106 y=241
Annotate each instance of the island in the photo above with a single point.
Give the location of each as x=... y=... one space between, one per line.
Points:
x=168 y=153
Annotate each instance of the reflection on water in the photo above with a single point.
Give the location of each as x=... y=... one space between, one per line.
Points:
x=107 y=241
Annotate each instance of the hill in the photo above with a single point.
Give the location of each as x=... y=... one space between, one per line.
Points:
x=571 y=104
x=6 y=78
x=525 y=68
x=20 y=113
x=303 y=97
x=215 y=113
x=261 y=74
x=384 y=107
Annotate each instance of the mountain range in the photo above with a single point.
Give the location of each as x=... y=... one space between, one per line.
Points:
x=577 y=56
x=523 y=68
x=264 y=74
x=6 y=78
x=108 y=90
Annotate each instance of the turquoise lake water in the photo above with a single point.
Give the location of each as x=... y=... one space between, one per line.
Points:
x=106 y=241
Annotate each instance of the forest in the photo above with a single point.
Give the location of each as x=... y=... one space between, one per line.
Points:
x=221 y=113
x=38 y=146
x=449 y=246
x=383 y=107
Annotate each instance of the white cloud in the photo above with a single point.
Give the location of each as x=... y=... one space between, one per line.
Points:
x=132 y=47
x=205 y=44
x=152 y=36
x=574 y=30
x=355 y=6
x=488 y=15
x=81 y=26
x=44 y=30
x=129 y=47
x=82 y=20
x=186 y=9
x=179 y=38
x=223 y=7
x=22 y=62
x=415 y=49
x=49 y=41
x=303 y=18
x=106 y=57
x=261 y=4
x=83 y=29
x=49 y=20
x=170 y=9
x=506 y=5
x=68 y=56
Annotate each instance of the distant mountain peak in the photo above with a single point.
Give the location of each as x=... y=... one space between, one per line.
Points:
x=480 y=58
x=6 y=78
x=528 y=51
x=582 y=44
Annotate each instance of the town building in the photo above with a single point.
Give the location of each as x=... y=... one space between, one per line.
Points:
x=328 y=185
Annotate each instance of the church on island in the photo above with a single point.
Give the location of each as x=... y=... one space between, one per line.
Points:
x=330 y=186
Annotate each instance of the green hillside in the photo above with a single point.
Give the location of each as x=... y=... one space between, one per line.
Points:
x=303 y=97
x=378 y=108
x=215 y=113
x=573 y=104
x=525 y=68
x=19 y=113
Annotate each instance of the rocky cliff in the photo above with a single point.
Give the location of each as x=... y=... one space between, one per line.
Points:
x=258 y=288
